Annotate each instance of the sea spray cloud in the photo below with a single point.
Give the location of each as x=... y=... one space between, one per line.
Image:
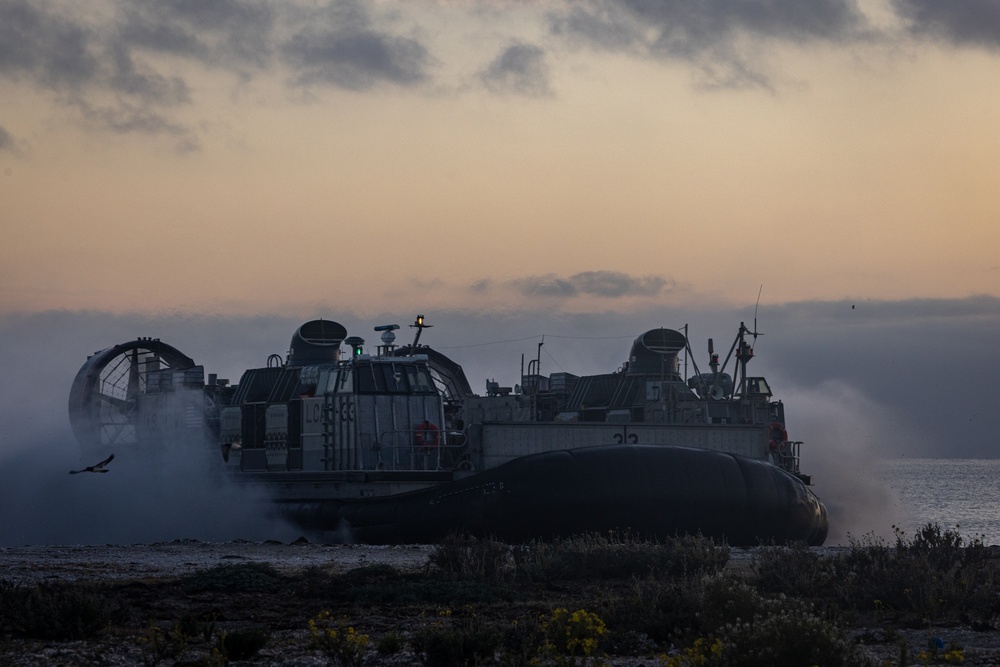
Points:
x=846 y=435
x=145 y=496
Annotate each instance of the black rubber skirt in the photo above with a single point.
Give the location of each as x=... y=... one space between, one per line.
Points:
x=651 y=491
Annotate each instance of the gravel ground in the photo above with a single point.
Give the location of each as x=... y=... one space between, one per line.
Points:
x=30 y=564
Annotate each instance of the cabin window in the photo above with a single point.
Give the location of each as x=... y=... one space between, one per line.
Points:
x=385 y=378
x=393 y=380
x=420 y=380
x=758 y=386
x=324 y=381
x=366 y=380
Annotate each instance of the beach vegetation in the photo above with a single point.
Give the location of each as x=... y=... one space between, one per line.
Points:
x=55 y=610
x=585 y=600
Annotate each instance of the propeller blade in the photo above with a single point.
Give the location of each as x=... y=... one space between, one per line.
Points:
x=122 y=404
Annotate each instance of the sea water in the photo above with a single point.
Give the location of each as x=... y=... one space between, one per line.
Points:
x=957 y=494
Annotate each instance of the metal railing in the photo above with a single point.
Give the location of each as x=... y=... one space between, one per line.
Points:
x=787 y=455
x=414 y=449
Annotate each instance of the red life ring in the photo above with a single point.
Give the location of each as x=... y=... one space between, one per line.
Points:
x=427 y=436
x=778 y=435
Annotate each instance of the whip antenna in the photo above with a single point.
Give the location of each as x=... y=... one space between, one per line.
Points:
x=757 y=305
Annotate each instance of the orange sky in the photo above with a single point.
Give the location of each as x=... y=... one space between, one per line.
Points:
x=556 y=155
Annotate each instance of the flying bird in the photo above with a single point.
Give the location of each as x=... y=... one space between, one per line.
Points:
x=97 y=467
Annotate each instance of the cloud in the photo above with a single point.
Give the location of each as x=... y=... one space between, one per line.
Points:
x=98 y=77
x=605 y=284
x=721 y=40
x=107 y=65
x=126 y=118
x=145 y=84
x=481 y=286
x=6 y=141
x=967 y=23
x=137 y=62
x=678 y=29
x=342 y=45
x=355 y=60
x=520 y=69
x=227 y=33
x=51 y=50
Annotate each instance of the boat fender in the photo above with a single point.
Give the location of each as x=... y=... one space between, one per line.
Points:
x=778 y=435
x=427 y=436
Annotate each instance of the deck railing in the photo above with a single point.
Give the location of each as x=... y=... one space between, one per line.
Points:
x=787 y=455
x=414 y=450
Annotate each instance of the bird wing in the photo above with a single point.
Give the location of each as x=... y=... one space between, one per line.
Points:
x=97 y=467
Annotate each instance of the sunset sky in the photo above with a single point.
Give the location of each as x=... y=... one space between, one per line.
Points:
x=281 y=157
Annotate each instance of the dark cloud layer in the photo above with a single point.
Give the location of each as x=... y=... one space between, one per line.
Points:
x=356 y=60
x=127 y=69
x=721 y=40
x=6 y=141
x=117 y=78
x=46 y=48
x=519 y=69
x=678 y=29
x=219 y=33
x=143 y=83
x=607 y=284
x=967 y=23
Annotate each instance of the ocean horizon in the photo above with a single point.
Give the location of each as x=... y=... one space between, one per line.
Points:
x=958 y=494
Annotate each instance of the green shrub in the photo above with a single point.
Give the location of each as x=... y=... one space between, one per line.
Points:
x=587 y=556
x=368 y=574
x=479 y=559
x=57 y=611
x=932 y=577
x=577 y=634
x=664 y=609
x=620 y=556
x=521 y=641
x=727 y=599
x=792 y=570
x=240 y=578
x=243 y=644
x=390 y=643
x=157 y=644
x=467 y=640
x=193 y=625
x=787 y=633
x=338 y=639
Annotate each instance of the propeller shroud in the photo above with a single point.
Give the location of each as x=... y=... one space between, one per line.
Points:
x=103 y=398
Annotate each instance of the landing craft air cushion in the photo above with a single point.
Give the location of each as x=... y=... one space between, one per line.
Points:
x=395 y=447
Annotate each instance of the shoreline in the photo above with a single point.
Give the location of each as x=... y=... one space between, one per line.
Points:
x=34 y=563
